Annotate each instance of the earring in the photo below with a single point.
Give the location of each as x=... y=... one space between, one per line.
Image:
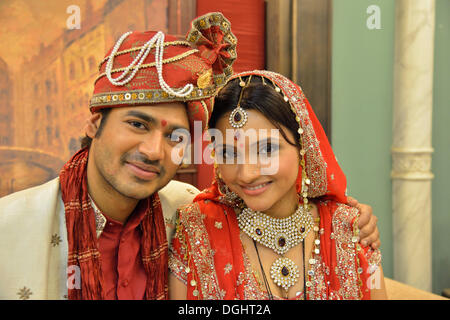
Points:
x=229 y=196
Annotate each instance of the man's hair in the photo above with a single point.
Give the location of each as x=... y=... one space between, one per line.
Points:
x=86 y=140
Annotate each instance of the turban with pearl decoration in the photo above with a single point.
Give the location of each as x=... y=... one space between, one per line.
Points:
x=150 y=67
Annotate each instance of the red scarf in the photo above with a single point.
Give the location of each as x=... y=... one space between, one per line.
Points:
x=82 y=239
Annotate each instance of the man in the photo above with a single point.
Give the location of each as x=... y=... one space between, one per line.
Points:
x=98 y=231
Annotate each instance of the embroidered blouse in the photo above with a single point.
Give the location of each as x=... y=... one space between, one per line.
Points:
x=207 y=255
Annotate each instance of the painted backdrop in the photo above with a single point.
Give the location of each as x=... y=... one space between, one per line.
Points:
x=49 y=56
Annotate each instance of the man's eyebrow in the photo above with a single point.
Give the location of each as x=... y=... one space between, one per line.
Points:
x=173 y=127
x=148 y=118
x=141 y=115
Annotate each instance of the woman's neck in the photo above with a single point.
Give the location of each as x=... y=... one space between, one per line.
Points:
x=285 y=206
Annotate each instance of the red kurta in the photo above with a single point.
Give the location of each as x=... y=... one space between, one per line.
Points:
x=119 y=245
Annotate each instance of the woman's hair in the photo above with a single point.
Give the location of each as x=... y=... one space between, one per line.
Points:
x=257 y=96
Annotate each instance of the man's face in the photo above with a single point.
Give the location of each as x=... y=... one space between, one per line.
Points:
x=132 y=155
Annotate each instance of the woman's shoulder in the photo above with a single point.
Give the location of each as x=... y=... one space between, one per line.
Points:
x=339 y=219
x=339 y=212
x=199 y=212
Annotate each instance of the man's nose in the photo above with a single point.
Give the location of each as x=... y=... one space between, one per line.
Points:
x=153 y=146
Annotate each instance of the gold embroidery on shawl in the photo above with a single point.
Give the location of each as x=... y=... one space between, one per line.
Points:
x=200 y=248
x=56 y=240
x=177 y=267
x=24 y=293
x=228 y=268
x=346 y=254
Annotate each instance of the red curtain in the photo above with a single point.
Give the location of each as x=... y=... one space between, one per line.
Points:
x=247 y=19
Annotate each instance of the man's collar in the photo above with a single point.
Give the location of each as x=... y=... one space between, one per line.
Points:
x=100 y=219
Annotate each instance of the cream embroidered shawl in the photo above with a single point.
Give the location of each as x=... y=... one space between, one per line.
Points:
x=33 y=240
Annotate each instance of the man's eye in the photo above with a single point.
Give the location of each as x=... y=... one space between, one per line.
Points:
x=176 y=138
x=137 y=124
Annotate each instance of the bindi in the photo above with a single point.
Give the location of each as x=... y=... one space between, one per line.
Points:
x=163 y=123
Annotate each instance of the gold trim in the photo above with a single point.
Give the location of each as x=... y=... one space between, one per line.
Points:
x=152 y=64
x=148 y=96
x=205 y=22
x=204 y=79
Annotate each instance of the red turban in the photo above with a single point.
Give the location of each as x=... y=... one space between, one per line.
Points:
x=150 y=67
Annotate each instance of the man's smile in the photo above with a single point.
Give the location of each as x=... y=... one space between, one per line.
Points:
x=143 y=171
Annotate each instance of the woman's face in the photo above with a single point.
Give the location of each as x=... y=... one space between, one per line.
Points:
x=259 y=164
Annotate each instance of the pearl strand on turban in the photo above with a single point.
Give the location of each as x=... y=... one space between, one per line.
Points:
x=139 y=59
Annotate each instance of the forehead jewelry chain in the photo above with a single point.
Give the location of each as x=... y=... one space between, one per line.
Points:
x=238 y=117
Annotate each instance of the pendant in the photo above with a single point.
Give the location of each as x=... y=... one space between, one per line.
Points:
x=238 y=118
x=284 y=273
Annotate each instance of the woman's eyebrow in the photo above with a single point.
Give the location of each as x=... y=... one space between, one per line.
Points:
x=224 y=145
x=266 y=141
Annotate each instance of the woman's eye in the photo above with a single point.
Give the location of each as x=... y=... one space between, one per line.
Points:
x=268 y=148
x=228 y=154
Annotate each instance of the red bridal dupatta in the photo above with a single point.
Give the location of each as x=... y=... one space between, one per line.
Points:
x=207 y=253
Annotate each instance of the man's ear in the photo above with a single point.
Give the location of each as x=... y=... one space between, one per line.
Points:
x=92 y=124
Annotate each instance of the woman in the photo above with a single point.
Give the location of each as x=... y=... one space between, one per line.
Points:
x=275 y=228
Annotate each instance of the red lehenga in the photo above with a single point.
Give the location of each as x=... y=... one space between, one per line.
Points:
x=207 y=253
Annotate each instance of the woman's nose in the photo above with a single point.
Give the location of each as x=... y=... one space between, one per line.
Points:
x=249 y=172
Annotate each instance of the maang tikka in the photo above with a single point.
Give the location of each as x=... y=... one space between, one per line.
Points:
x=238 y=117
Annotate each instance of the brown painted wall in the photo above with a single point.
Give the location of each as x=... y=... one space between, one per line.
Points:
x=46 y=78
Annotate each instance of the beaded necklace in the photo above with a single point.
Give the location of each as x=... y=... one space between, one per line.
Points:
x=279 y=235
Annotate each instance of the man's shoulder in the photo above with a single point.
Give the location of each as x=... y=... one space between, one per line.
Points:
x=174 y=195
x=34 y=238
x=41 y=196
x=178 y=192
x=36 y=191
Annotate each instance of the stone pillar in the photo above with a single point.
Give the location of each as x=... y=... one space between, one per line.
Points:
x=412 y=149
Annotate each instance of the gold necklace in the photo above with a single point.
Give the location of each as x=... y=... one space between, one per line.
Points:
x=280 y=235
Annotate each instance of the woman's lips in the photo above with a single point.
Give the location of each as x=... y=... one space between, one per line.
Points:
x=143 y=172
x=256 y=189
